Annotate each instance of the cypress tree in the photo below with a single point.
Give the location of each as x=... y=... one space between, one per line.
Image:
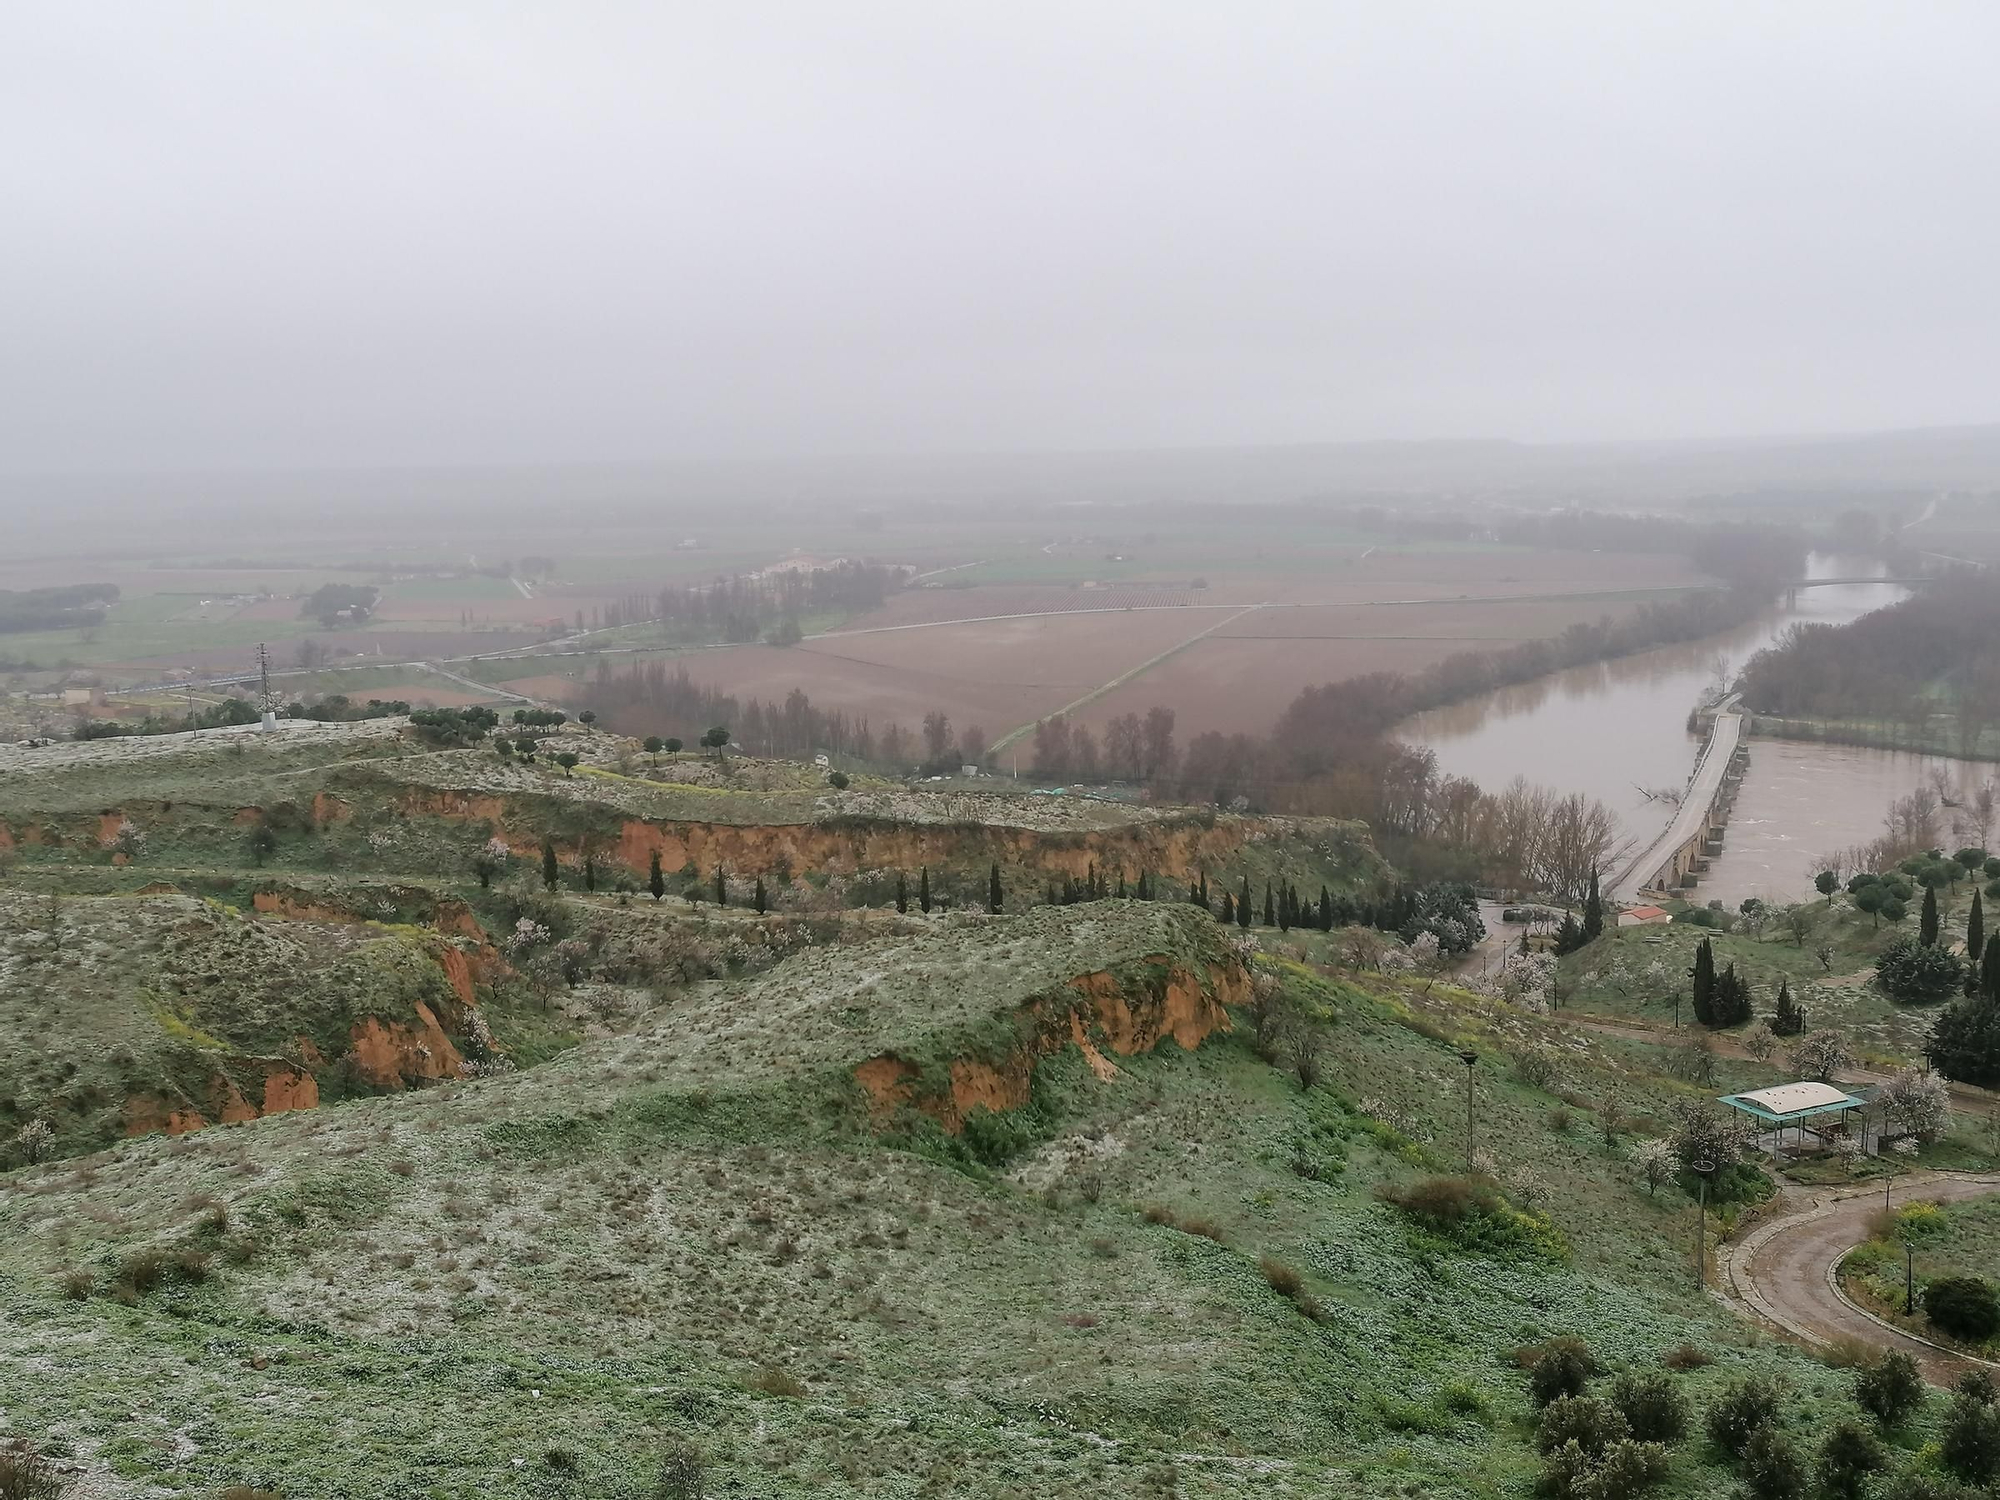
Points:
x=1965 y=1040
x=993 y=893
x=924 y=889
x=1204 y=903
x=1701 y=994
x=1732 y=998
x=1243 y=903
x=1049 y=893
x=1975 y=930
x=1285 y=910
x=1325 y=910
x=902 y=891
x=1569 y=936
x=1228 y=909
x=656 y=880
x=548 y=863
x=1927 y=923
x=757 y=897
x=1788 y=1021
x=1989 y=969
x=1121 y=885
x=1593 y=911
x=721 y=887
x=589 y=872
x=1270 y=913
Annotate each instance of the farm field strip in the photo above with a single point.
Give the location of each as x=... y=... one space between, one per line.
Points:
x=1123 y=678
x=1033 y=614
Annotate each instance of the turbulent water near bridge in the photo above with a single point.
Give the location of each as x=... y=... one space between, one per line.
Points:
x=1610 y=729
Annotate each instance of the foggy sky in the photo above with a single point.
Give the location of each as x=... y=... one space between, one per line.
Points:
x=304 y=233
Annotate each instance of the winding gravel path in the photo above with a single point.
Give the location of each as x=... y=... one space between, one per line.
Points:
x=1782 y=1271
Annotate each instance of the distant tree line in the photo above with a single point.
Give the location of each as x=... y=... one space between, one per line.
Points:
x=745 y=608
x=646 y=699
x=331 y=603
x=67 y=607
x=1134 y=749
x=1889 y=664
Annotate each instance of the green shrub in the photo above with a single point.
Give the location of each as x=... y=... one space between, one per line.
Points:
x=1622 y=1468
x=1965 y=1307
x=1464 y=1398
x=1628 y=1468
x=1919 y=973
x=1744 y=1409
x=1847 y=1456
x=994 y=1138
x=1914 y=1484
x=1410 y=1416
x=143 y=1270
x=1473 y=1214
x=1653 y=1406
x=1589 y=1421
x=1563 y=1367
x=1771 y=1467
x=1891 y=1389
x=1969 y=1439
x=679 y=1476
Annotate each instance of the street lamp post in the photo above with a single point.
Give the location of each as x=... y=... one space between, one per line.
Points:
x=1701 y=1168
x=1909 y=1277
x=1469 y=1059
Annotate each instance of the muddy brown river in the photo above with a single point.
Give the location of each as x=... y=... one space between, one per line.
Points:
x=1610 y=729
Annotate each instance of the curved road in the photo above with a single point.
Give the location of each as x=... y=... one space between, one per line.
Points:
x=1782 y=1271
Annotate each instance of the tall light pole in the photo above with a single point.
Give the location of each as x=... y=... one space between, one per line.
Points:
x=1701 y=1169
x=1469 y=1059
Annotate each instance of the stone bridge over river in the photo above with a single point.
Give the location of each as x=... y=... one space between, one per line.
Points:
x=1675 y=859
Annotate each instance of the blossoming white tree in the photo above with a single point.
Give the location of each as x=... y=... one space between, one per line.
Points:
x=1917 y=1102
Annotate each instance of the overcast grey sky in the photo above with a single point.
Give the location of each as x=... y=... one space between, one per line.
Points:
x=304 y=233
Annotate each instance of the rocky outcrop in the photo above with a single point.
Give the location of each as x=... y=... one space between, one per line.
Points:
x=391 y=1054
x=1170 y=847
x=220 y=1100
x=1123 y=1012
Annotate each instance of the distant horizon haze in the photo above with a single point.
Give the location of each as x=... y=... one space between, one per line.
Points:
x=391 y=235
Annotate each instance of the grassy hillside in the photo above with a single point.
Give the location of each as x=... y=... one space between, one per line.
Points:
x=1163 y=1269
x=831 y=1199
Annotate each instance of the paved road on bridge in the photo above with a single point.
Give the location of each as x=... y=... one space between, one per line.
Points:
x=1693 y=814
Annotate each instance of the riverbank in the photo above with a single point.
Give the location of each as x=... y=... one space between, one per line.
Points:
x=1938 y=735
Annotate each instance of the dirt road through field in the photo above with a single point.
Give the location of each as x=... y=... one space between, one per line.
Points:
x=1122 y=678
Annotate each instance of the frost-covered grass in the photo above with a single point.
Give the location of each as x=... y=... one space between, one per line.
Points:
x=105 y=997
x=694 y=1234
x=1634 y=971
